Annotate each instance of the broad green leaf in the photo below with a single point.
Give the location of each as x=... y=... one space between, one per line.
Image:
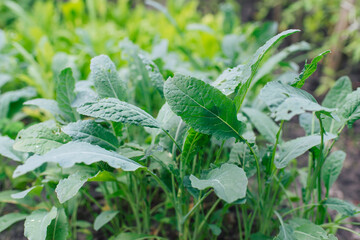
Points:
x=302 y=229
x=40 y=138
x=77 y=152
x=252 y=66
x=229 y=79
x=65 y=95
x=350 y=110
x=308 y=70
x=203 y=107
x=59 y=227
x=153 y=73
x=115 y=110
x=91 y=132
x=285 y=101
x=68 y=187
x=63 y=60
x=335 y=98
x=296 y=147
x=103 y=218
x=37 y=222
x=9 y=219
x=192 y=144
x=49 y=105
x=310 y=232
x=342 y=207
x=332 y=168
x=274 y=60
x=14 y=96
x=6 y=149
x=34 y=189
x=264 y=124
x=240 y=154
x=229 y=182
x=106 y=79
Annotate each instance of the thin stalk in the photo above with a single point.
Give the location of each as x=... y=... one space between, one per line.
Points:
x=189 y=214
x=212 y=209
x=172 y=139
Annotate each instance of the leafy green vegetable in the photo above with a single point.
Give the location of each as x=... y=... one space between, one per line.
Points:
x=73 y=152
x=350 y=110
x=65 y=95
x=296 y=147
x=308 y=70
x=91 y=132
x=58 y=229
x=37 y=222
x=203 y=107
x=342 y=207
x=115 y=110
x=67 y=188
x=285 y=101
x=252 y=66
x=106 y=79
x=229 y=182
x=14 y=96
x=6 y=149
x=40 y=138
x=9 y=219
x=22 y=194
x=332 y=168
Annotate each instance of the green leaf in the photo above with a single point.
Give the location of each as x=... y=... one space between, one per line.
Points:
x=308 y=70
x=59 y=227
x=240 y=154
x=9 y=219
x=103 y=218
x=252 y=66
x=229 y=79
x=34 y=189
x=264 y=124
x=14 y=96
x=274 y=60
x=91 y=132
x=77 y=152
x=285 y=101
x=342 y=207
x=229 y=182
x=335 y=98
x=302 y=229
x=296 y=147
x=49 y=105
x=67 y=188
x=37 y=222
x=332 y=168
x=65 y=95
x=203 y=107
x=350 y=110
x=40 y=138
x=115 y=110
x=106 y=79
x=192 y=144
x=6 y=149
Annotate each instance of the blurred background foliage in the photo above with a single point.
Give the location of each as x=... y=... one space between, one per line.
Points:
x=201 y=38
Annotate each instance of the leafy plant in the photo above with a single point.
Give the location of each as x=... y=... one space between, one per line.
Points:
x=209 y=149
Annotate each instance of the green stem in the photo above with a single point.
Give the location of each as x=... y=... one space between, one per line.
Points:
x=188 y=215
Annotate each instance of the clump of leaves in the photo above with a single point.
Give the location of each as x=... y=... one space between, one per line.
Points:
x=202 y=143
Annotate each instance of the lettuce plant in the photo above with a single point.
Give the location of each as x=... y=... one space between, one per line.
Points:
x=213 y=152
